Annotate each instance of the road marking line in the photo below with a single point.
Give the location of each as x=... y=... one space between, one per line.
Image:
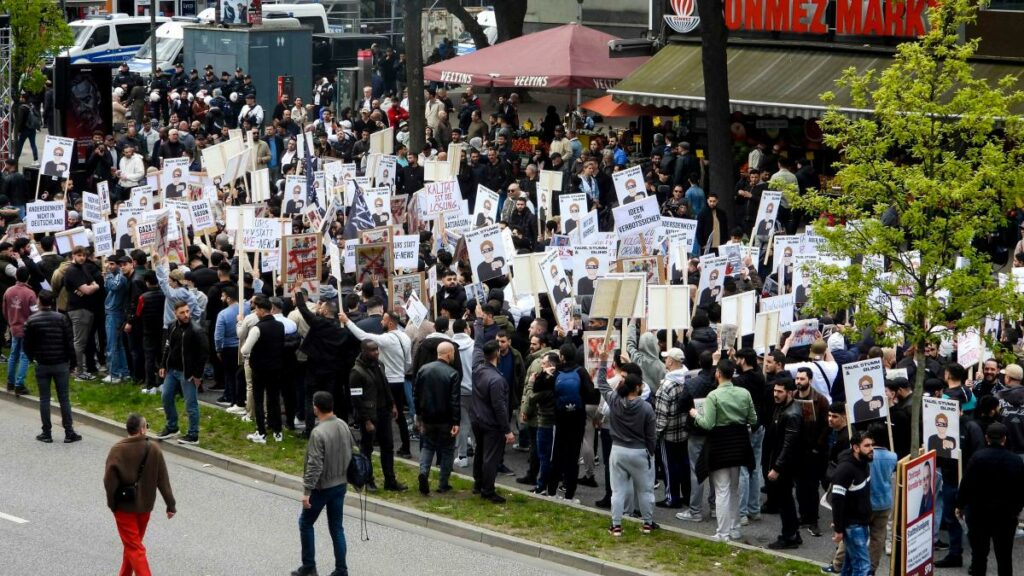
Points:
x=14 y=519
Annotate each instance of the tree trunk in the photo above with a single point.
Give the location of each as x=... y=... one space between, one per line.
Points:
x=714 y=35
x=468 y=22
x=916 y=401
x=509 y=16
x=414 y=74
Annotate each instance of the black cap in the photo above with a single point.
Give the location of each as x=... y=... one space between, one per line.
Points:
x=123 y=260
x=239 y=69
x=208 y=67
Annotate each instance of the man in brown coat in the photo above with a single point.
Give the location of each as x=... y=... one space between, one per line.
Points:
x=136 y=460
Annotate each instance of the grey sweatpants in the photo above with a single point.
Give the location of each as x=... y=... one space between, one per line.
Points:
x=632 y=472
x=81 y=326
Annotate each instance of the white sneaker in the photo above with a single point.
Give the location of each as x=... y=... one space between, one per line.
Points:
x=256 y=438
x=111 y=379
x=246 y=418
x=687 y=516
x=235 y=409
x=744 y=520
x=735 y=535
x=720 y=538
x=144 y=390
x=278 y=437
x=462 y=462
x=300 y=424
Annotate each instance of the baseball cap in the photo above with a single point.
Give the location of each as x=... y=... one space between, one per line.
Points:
x=1014 y=371
x=675 y=354
x=124 y=260
x=178 y=275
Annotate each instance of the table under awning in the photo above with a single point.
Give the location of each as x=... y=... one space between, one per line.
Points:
x=767 y=81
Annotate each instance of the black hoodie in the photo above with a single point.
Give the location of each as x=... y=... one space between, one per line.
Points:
x=851 y=492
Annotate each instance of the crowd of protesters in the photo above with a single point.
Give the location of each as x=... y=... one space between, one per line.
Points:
x=673 y=414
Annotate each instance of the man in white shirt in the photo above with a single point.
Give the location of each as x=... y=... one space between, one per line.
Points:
x=131 y=171
x=396 y=356
x=251 y=111
x=434 y=107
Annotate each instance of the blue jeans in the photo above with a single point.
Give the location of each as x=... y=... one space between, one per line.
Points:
x=17 y=362
x=437 y=440
x=409 y=400
x=857 y=561
x=334 y=500
x=175 y=380
x=750 y=482
x=545 y=442
x=117 y=361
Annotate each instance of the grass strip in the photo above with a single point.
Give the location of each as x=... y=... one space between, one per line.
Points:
x=560 y=526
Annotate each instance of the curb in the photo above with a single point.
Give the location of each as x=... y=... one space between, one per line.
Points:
x=394 y=511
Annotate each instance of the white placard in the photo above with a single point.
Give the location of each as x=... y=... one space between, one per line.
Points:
x=738 y=310
x=92 y=207
x=550 y=180
x=58 y=153
x=945 y=440
x=485 y=212
x=201 y=214
x=865 y=381
x=767 y=212
x=406 y=252
x=440 y=197
x=641 y=216
x=629 y=185
x=557 y=285
x=486 y=253
x=668 y=307
x=262 y=234
x=104 y=238
x=44 y=217
x=571 y=207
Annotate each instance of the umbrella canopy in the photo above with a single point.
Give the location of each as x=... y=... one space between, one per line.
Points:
x=570 y=56
x=609 y=108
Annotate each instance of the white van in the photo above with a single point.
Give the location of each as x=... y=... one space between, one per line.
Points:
x=170 y=37
x=109 y=38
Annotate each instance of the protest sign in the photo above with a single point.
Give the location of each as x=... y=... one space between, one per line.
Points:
x=201 y=213
x=526 y=274
x=372 y=261
x=143 y=197
x=914 y=511
x=784 y=305
x=640 y=216
x=103 y=189
x=712 y=279
x=415 y=310
x=383 y=141
x=378 y=200
x=440 y=197
x=350 y=255
x=259 y=187
x=544 y=206
x=941 y=420
x=968 y=348
x=618 y=296
x=739 y=311
x=486 y=209
x=766 y=331
x=571 y=206
x=588 y=226
x=262 y=234
x=551 y=180
x=104 y=239
x=402 y=288
x=43 y=216
x=335 y=258
x=162 y=240
x=92 y=207
x=629 y=185
x=458 y=221
x=436 y=171
x=58 y=153
x=173 y=176
x=67 y=240
x=594 y=343
x=387 y=167
x=557 y=286
x=406 y=252
x=300 y=262
x=486 y=251
x=668 y=307
x=864 y=384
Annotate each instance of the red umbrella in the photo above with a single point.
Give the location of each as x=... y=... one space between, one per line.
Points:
x=609 y=108
x=569 y=56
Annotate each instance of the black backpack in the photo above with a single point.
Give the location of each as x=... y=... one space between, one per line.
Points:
x=360 y=471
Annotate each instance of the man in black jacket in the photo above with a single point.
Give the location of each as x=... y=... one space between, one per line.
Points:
x=851 y=503
x=899 y=415
x=83 y=288
x=374 y=410
x=782 y=451
x=327 y=356
x=992 y=512
x=488 y=413
x=48 y=343
x=264 y=349
x=182 y=361
x=438 y=413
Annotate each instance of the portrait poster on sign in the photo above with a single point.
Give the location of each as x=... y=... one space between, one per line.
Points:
x=864 y=383
x=103 y=237
x=557 y=285
x=103 y=190
x=127 y=221
x=629 y=185
x=173 y=177
x=786 y=247
x=407 y=252
x=486 y=253
x=486 y=209
x=712 y=280
x=378 y=200
x=651 y=267
x=402 y=288
x=385 y=174
x=41 y=217
x=58 y=154
x=373 y=261
x=767 y=212
x=143 y=197
x=300 y=265
x=571 y=207
x=594 y=343
x=916 y=480
x=803 y=266
x=941 y=420
x=589 y=264
x=294 y=195
x=544 y=204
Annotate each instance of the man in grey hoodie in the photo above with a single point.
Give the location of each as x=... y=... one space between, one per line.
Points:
x=465 y=343
x=646 y=356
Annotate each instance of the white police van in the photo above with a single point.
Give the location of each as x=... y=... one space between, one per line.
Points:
x=108 y=38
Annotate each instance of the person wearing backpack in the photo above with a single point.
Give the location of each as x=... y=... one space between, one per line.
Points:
x=27 y=122
x=573 y=391
x=324 y=483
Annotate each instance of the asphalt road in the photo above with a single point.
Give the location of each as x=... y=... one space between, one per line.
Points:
x=54 y=520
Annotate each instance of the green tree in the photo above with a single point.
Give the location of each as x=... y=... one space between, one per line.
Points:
x=920 y=181
x=39 y=29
